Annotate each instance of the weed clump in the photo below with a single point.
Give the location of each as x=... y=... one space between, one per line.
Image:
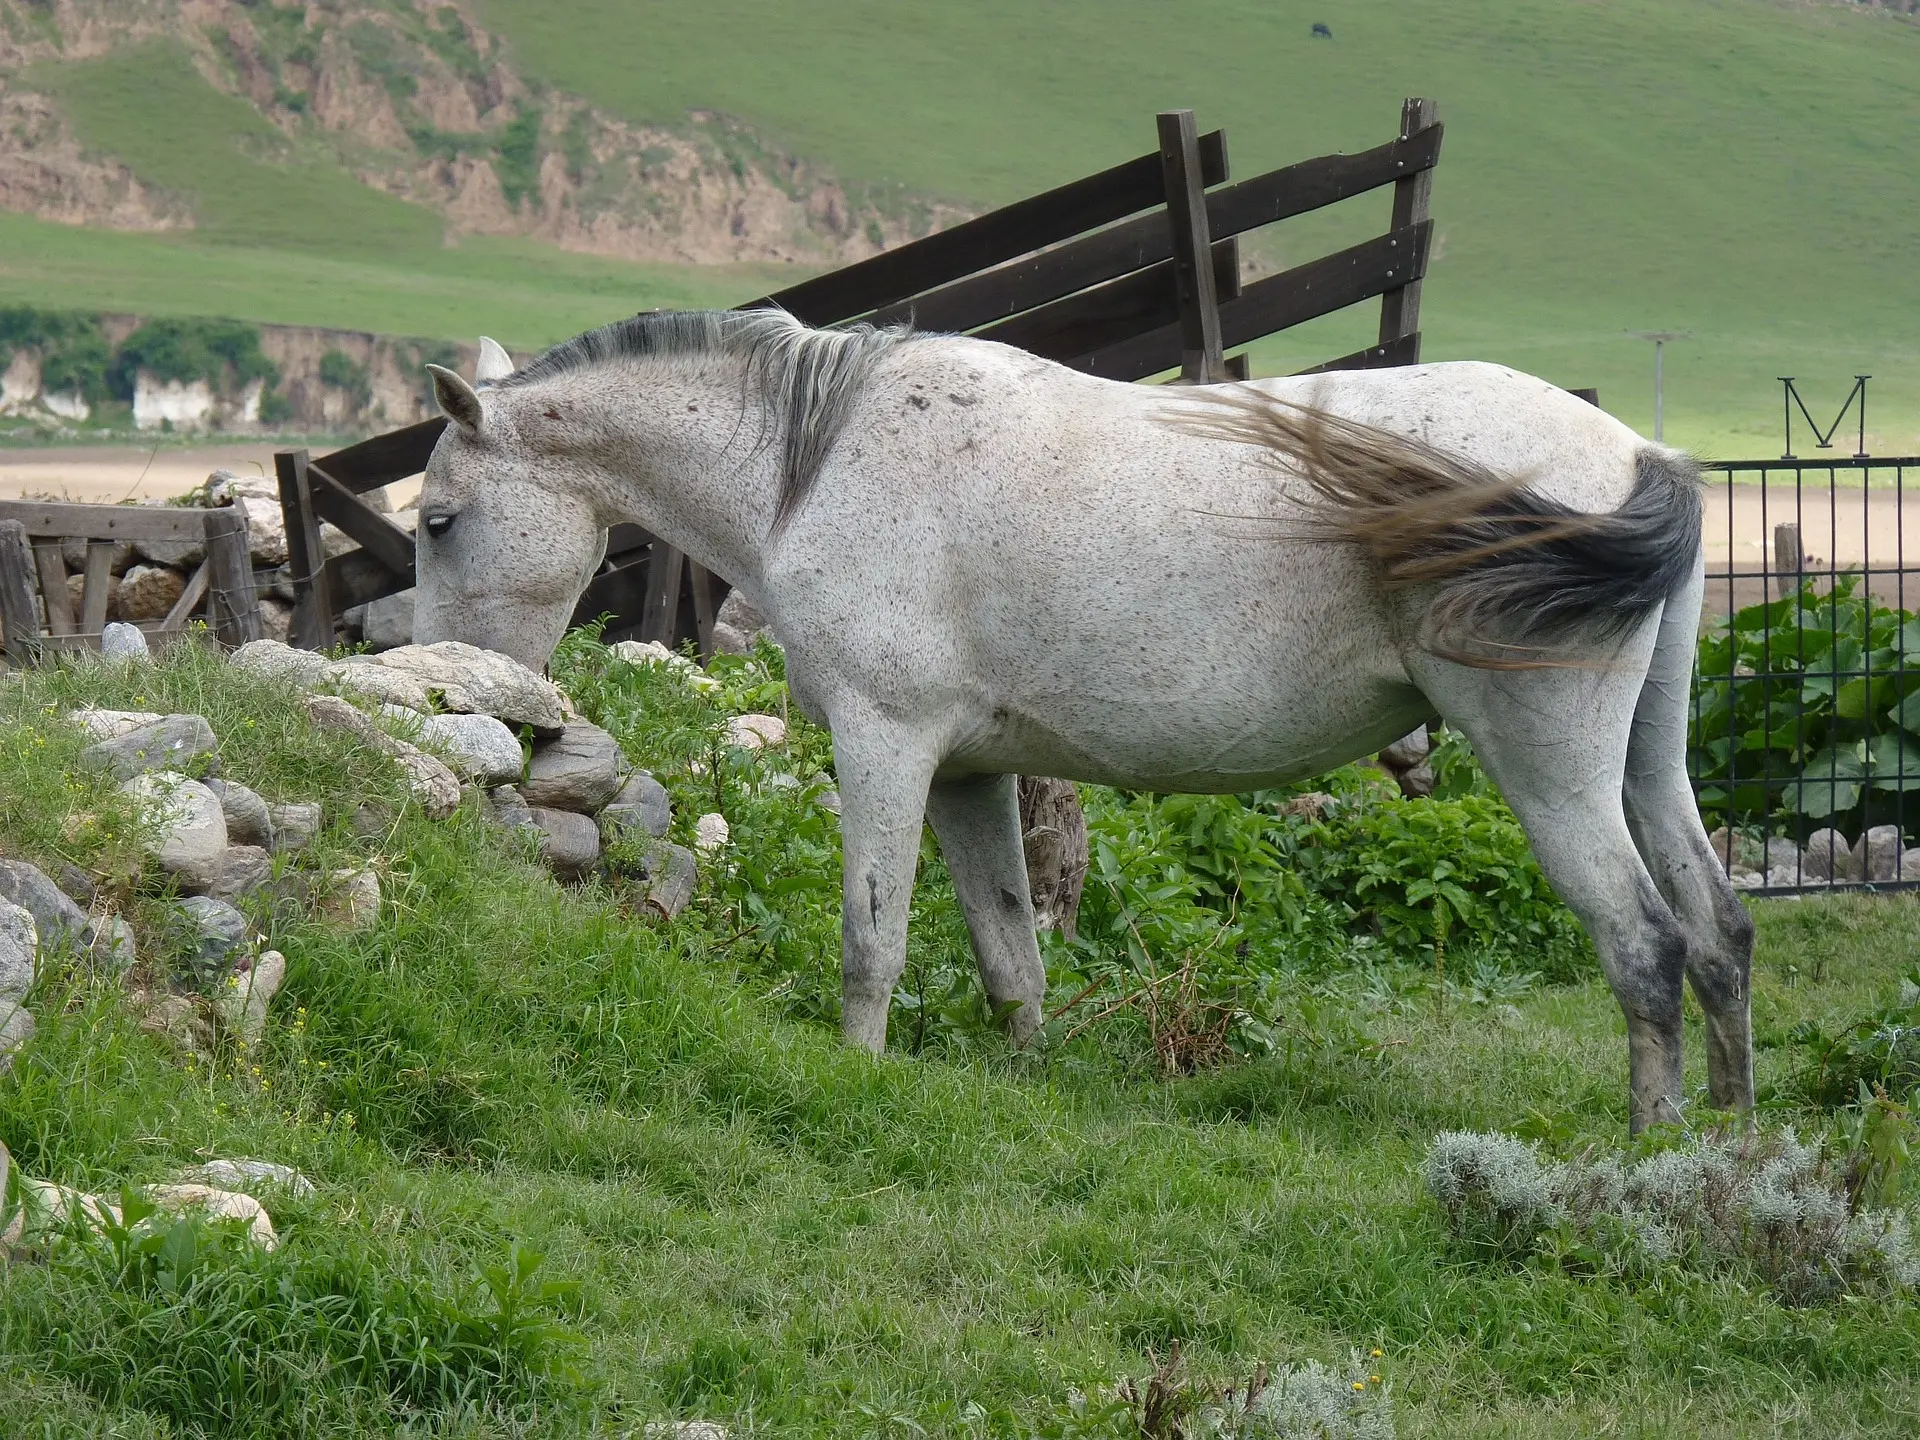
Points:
x=1308 y=1401
x=1768 y=1204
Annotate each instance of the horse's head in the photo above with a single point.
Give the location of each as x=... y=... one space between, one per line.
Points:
x=506 y=541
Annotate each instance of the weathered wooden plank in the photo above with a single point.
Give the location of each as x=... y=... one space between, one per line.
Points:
x=1233 y=209
x=1002 y=234
x=234 y=607
x=52 y=565
x=1400 y=306
x=700 y=585
x=625 y=539
x=661 y=618
x=356 y=578
x=396 y=455
x=94 y=589
x=313 y=599
x=1201 y=362
x=1317 y=288
x=620 y=592
x=377 y=535
x=103 y=522
x=1107 y=314
x=18 y=614
x=191 y=595
x=1403 y=351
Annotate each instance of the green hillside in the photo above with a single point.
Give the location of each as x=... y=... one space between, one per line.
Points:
x=1737 y=168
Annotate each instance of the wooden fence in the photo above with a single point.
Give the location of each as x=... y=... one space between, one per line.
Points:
x=1126 y=274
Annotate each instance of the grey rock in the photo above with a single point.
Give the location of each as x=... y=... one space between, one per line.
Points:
x=109 y=941
x=432 y=784
x=671 y=878
x=737 y=624
x=354 y=899
x=1408 y=751
x=478 y=747
x=148 y=592
x=110 y=724
x=1416 y=781
x=389 y=622
x=280 y=584
x=243 y=1001
x=276 y=618
x=176 y=553
x=76 y=883
x=249 y=1176
x=305 y=668
x=1778 y=853
x=361 y=675
x=219 y=930
x=188 y=828
x=74 y=551
x=1745 y=879
x=509 y=808
x=16 y=1029
x=1788 y=877
x=1877 y=855
x=19 y=947
x=578 y=770
x=571 y=847
x=829 y=801
x=249 y=821
x=756 y=732
x=642 y=807
x=258 y=499
x=1910 y=864
x=294 y=825
x=472 y=681
x=121 y=641
x=1828 y=856
x=56 y=919
x=173 y=742
x=238 y=870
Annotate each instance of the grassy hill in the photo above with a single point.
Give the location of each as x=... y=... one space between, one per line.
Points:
x=1737 y=168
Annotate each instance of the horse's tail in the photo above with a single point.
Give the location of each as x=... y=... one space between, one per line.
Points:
x=1519 y=576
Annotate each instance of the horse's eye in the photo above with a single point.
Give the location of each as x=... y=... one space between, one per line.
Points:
x=438 y=525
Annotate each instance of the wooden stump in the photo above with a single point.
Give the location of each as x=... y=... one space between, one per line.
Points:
x=1054 y=829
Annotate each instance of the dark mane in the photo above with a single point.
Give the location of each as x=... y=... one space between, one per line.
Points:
x=808 y=379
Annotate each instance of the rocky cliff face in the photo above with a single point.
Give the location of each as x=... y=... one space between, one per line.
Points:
x=415 y=98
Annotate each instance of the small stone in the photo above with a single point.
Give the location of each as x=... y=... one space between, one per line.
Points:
x=173 y=742
x=671 y=879
x=249 y=822
x=737 y=624
x=218 y=1205
x=76 y=883
x=77 y=596
x=472 y=681
x=189 y=829
x=642 y=807
x=1910 y=865
x=578 y=770
x=56 y=919
x=1828 y=856
x=360 y=676
x=571 y=847
x=149 y=592
x=652 y=652
x=682 y=1430
x=711 y=833
x=248 y=1176
x=174 y=1019
x=120 y=641
x=478 y=747
x=509 y=808
x=432 y=784
x=74 y=551
x=389 y=622
x=1416 y=781
x=829 y=801
x=1786 y=877
x=294 y=825
x=276 y=618
x=1877 y=855
x=355 y=899
x=1742 y=878
x=19 y=951
x=258 y=499
x=756 y=732
x=236 y=871
x=1777 y=853
x=1408 y=751
x=109 y=941
x=305 y=668
x=243 y=1001
x=186 y=553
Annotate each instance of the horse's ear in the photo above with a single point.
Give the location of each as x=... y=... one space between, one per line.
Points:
x=456 y=398
x=495 y=363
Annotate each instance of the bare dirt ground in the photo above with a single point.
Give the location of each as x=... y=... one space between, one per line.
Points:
x=109 y=474
x=1841 y=528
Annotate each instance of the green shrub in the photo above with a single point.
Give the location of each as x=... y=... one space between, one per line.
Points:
x=1785 y=734
x=224 y=353
x=1880 y=1052
x=338 y=369
x=74 y=355
x=519 y=164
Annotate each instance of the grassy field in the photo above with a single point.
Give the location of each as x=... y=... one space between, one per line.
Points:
x=751 y=1223
x=1736 y=168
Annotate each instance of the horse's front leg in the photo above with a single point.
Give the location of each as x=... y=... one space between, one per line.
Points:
x=883 y=769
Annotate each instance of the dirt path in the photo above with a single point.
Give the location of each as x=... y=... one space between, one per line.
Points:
x=106 y=475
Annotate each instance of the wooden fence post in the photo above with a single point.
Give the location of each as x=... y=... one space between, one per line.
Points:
x=312 y=626
x=17 y=611
x=661 y=619
x=1412 y=197
x=235 y=610
x=52 y=563
x=1201 y=362
x=1789 y=560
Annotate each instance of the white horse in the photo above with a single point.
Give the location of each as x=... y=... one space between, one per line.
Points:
x=982 y=564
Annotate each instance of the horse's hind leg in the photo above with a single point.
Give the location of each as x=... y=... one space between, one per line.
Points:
x=977 y=821
x=1666 y=826
x=1555 y=741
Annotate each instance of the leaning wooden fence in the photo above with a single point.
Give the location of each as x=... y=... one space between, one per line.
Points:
x=31 y=536
x=1126 y=274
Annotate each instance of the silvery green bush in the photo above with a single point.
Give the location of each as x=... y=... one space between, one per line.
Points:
x=1767 y=1202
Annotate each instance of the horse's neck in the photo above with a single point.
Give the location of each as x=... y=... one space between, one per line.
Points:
x=689 y=455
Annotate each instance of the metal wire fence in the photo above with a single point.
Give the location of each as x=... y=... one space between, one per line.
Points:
x=1804 y=741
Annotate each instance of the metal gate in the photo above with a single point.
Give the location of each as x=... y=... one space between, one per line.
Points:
x=1804 y=739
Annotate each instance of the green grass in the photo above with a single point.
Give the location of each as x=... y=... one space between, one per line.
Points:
x=770 y=1230
x=1737 y=168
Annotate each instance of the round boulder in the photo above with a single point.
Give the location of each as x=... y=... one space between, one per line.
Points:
x=478 y=747
x=571 y=843
x=190 y=829
x=579 y=770
x=173 y=742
